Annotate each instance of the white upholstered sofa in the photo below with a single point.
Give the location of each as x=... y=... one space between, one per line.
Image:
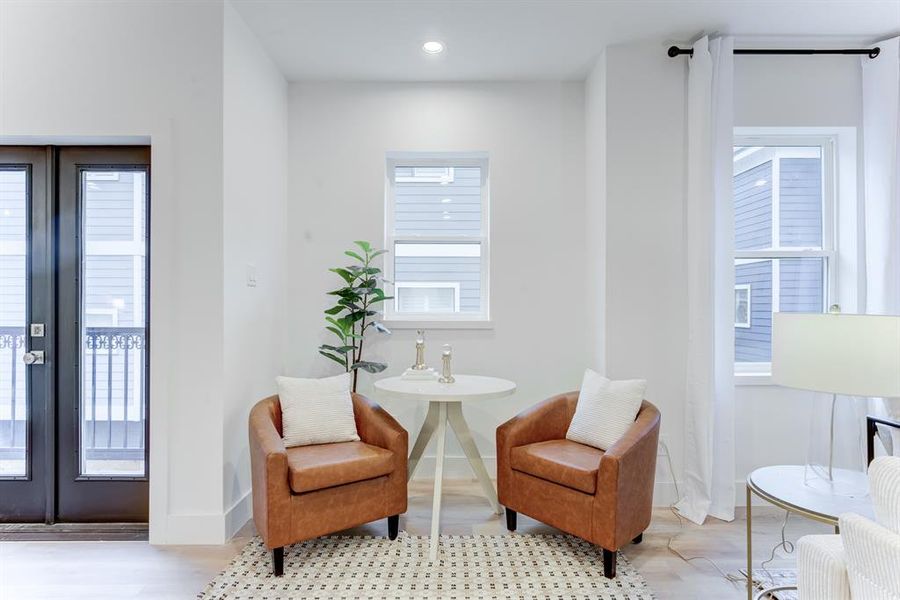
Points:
x=863 y=562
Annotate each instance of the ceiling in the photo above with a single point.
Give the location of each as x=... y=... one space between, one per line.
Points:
x=380 y=40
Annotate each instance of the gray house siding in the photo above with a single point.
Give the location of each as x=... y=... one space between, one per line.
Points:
x=801 y=202
x=753 y=208
x=801 y=280
x=441 y=209
x=464 y=270
x=453 y=208
x=754 y=344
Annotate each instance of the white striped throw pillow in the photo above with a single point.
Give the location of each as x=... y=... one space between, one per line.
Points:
x=316 y=411
x=605 y=410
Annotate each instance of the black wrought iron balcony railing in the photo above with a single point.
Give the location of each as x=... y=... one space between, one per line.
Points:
x=114 y=403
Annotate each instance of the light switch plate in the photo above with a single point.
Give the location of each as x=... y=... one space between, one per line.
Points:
x=251 y=275
x=37 y=330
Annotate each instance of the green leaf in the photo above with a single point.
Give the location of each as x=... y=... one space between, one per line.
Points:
x=339 y=361
x=341 y=324
x=337 y=332
x=344 y=273
x=371 y=270
x=365 y=246
x=353 y=254
x=370 y=367
x=338 y=349
x=377 y=253
x=335 y=310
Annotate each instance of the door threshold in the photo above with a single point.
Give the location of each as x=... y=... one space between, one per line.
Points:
x=73 y=532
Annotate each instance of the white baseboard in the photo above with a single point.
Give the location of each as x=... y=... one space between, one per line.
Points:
x=238 y=515
x=214 y=528
x=205 y=528
x=664 y=494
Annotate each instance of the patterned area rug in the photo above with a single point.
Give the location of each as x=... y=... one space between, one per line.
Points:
x=477 y=567
x=766 y=578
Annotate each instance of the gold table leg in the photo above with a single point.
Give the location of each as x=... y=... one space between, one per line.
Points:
x=749 y=546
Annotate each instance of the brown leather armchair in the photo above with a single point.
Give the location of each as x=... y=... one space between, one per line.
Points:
x=308 y=491
x=602 y=497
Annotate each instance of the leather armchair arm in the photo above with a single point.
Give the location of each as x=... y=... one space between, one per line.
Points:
x=269 y=474
x=624 y=498
x=547 y=420
x=378 y=428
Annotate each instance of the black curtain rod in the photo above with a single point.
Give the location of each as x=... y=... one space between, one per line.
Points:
x=871 y=52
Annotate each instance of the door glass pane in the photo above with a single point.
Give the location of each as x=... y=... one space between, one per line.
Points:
x=113 y=323
x=14 y=410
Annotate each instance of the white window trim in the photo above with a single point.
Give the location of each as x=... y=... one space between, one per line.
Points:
x=745 y=324
x=426 y=284
x=456 y=320
x=416 y=178
x=759 y=373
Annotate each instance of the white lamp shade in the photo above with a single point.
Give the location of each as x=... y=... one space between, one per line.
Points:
x=853 y=355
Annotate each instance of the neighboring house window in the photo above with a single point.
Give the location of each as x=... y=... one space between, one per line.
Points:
x=742 y=305
x=436 y=229
x=784 y=237
x=426 y=297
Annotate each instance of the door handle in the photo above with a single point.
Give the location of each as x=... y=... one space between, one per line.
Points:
x=35 y=357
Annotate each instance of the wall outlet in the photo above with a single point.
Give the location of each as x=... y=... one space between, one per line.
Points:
x=251 y=275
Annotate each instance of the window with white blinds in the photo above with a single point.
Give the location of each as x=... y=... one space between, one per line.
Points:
x=436 y=227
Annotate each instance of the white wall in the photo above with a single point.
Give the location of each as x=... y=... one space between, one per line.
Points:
x=645 y=310
x=255 y=171
x=645 y=283
x=534 y=132
x=595 y=212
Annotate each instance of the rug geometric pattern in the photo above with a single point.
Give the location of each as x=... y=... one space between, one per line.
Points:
x=516 y=566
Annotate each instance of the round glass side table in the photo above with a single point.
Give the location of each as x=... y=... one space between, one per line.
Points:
x=792 y=488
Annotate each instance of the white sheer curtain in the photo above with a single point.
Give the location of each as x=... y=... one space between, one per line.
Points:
x=709 y=249
x=881 y=155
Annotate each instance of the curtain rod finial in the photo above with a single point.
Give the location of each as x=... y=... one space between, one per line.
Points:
x=875 y=52
x=673 y=51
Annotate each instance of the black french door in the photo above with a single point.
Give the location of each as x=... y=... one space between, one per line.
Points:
x=74 y=334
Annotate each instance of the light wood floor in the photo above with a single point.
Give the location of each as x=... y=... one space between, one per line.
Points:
x=118 y=570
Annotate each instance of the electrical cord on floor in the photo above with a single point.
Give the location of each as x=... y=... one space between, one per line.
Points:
x=734 y=578
x=784 y=544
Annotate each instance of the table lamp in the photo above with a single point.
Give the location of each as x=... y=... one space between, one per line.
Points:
x=851 y=355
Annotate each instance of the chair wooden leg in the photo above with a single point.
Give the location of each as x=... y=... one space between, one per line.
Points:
x=510 y=519
x=638 y=539
x=393 y=526
x=609 y=563
x=278 y=561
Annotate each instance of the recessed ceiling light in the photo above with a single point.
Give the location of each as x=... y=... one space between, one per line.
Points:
x=433 y=47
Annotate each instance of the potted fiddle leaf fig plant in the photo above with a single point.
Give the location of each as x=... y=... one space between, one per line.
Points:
x=356 y=311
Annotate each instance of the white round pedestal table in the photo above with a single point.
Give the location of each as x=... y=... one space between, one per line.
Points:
x=796 y=489
x=445 y=406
